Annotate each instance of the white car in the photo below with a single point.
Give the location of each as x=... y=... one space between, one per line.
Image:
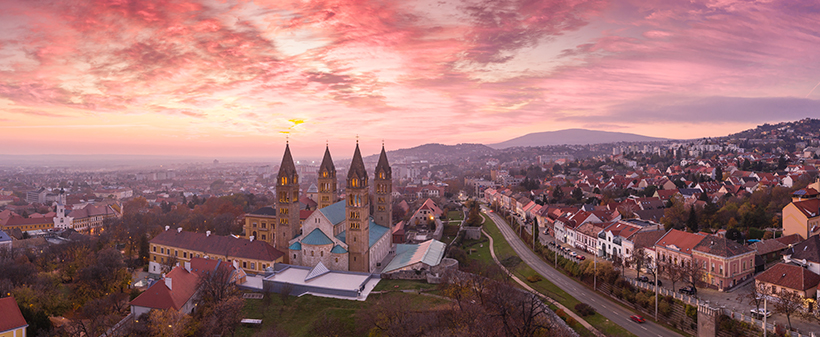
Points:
x=758 y=313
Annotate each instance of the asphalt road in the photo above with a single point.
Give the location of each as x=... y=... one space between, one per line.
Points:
x=602 y=305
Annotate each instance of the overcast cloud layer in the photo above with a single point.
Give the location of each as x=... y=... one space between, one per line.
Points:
x=231 y=77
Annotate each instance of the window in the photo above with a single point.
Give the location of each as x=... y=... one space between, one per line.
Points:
x=155 y=249
x=264 y=225
x=337 y=260
x=254 y=225
x=253 y=265
x=155 y=257
x=283 y=211
x=355 y=225
x=162 y=250
x=244 y=264
x=294 y=256
x=322 y=253
x=263 y=237
x=283 y=221
x=311 y=253
x=185 y=254
x=254 y=234
x=283 y=181
x=176 y=253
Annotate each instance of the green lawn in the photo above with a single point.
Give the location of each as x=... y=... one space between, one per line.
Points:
x=503 y=249
x=300 y=314
x=455 y=215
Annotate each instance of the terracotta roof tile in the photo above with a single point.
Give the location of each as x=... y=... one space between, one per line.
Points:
x=220 y=246
x=789 y=276
x=12 y=318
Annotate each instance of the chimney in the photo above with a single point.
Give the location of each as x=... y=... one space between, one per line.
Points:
x=167 y=227
x=168 y=283
x=188 y=266
x=207 y=233
x=179 y=229
x=251 y=238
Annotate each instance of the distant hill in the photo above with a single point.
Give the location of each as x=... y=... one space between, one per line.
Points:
x=573 y=137
x=438 y=152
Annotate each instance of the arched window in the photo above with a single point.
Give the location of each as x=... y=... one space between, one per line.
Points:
x=254 y=233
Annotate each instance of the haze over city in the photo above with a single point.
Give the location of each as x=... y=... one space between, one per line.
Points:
x=232 y=78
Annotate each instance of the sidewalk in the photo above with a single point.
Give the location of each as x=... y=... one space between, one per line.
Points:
x=530 y=289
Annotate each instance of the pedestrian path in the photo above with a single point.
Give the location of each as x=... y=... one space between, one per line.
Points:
x=530 y=289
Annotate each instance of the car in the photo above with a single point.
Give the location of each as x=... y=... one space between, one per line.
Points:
x=689 y=290
x=759 y=313
x=642 y=278
x=637 y=318
x=572 y=254
x=581 y=257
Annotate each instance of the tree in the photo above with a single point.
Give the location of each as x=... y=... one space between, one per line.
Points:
x=788 y=303
x=718 y=173
x=673 y=271
x=674 y=215
x=168 y=323
x=639 y=259
x=215 y=286
x=755 y=295
x=693 y=273
x=692 y=220
x=557 y=193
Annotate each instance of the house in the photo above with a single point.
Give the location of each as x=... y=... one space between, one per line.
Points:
x=788 y=277
x=646 y=240
x=805 y=254
x=428 y=211
x=261 y=224
x=676 y=247
x=176 y=290
x=12 y=323
x=802 y=217
x=725 y=263
x=587 y=236
x=252 y=255
x=610 y=239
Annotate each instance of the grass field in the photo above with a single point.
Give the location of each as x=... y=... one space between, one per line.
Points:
x=503 y=249
x=299 y=315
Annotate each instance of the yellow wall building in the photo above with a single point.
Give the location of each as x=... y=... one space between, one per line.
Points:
x=802 y=217
x=253 y=256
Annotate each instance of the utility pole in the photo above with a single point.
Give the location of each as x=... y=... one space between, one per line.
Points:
x=656 y=290
x=595 y=273
x=764 y=316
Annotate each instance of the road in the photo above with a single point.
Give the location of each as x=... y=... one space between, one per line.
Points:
x=602 y=305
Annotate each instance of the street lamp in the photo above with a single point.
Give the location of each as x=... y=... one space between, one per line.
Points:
x=656 y=289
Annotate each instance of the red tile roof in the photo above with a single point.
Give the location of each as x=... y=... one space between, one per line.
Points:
x=789 y=276
x=159 y=296
x=810 y=208
x=218 y=246
x=683 y=240
x=12 y=318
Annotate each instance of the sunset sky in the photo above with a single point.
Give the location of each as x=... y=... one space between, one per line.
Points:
x=232 y=78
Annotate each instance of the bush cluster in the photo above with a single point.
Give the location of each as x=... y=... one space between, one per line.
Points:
x=584 y=309
x=533 y=278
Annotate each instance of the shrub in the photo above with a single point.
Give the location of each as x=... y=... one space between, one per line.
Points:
x=584 y=309
x=533 y=278
x=664 y=308
x=571 y=321
x=691 y=311
x=561 y=313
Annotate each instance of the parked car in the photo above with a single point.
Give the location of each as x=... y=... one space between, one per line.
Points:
x=581 y=257
x=642 y=278
x=689 y=290
x=652 y=282
x=760 y=313
x=637 y=318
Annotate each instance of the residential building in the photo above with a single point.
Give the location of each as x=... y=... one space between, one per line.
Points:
x=12 y=323
x=802 y=217
x=253 y=256
x=725 y=263
x=176 y=290
x=785 y=277
x=805 y=254
x=28 y=224
x=91 y=217
x=676 y=247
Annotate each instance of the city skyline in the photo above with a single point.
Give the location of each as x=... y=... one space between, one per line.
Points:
x=235 y=78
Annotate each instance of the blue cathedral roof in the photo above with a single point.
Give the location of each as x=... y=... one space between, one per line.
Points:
x=295 y=246
x=335 y=212
x=376 y=232
x=338 y=250
x=316 y=238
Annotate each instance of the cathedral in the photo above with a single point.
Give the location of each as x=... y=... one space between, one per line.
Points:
x=341 y=234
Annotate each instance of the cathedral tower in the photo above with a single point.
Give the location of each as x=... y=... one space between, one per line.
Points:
x=383 y=196
x=287 y=204
x=357 y=208
x=327 y=181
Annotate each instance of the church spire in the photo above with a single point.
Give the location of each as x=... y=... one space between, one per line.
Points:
x=357 y=170
x=383 y=169
x=287 y=168
x=327 y=162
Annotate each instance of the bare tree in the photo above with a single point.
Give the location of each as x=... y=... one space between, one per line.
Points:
x=693 y=273
x=789 y=303
x=673 y=271
x=639 y=259
x=755 y=296
x=215 y=285
x=521 y=313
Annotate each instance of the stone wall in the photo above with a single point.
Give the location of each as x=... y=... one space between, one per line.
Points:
x=472 y=233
